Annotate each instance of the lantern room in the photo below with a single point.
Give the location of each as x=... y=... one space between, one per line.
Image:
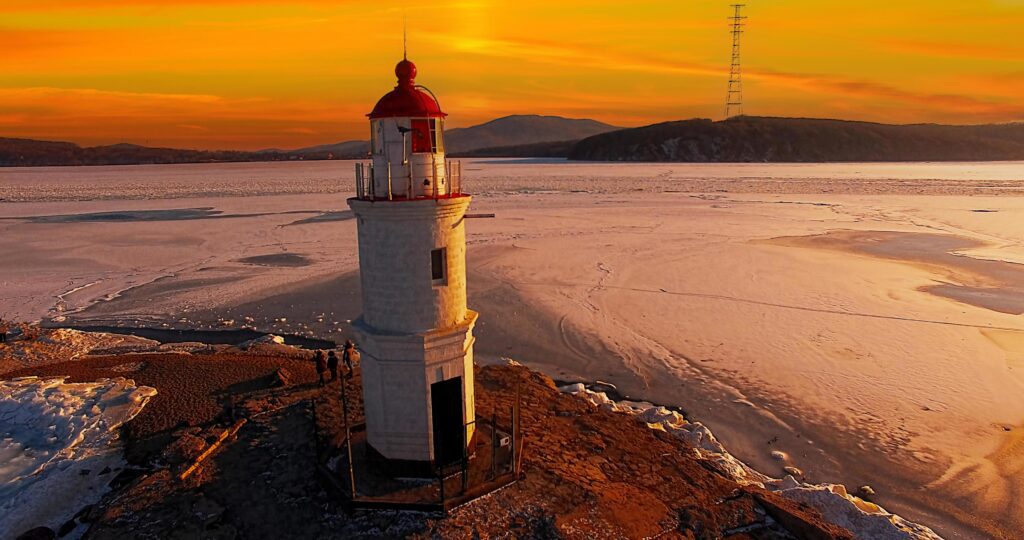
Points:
x=407 y=145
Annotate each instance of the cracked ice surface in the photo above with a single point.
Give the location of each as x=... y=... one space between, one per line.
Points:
x=55 y=440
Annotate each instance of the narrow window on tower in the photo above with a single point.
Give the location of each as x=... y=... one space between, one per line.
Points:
x=439 y=266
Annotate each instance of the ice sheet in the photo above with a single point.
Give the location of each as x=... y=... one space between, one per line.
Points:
x=58 y=446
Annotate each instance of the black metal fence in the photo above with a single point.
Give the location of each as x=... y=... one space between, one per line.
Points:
x=489 y=461
x=498 y=462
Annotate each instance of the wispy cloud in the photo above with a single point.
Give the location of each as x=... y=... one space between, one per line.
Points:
x=981 y=109
x=261 y=73
x=824 y=84
x=98 y=116
x=956 y=49
x=567 y=54
x=87 y=93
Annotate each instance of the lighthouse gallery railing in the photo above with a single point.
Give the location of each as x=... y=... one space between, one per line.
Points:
x=365 y=184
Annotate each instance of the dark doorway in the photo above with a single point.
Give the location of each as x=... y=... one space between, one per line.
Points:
x=449 y=431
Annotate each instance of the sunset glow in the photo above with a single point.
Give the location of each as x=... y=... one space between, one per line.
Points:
x=249 y=75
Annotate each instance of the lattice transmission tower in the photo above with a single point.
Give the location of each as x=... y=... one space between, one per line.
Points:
x=734 y=99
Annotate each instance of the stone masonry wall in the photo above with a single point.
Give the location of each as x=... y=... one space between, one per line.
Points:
x=395 y=241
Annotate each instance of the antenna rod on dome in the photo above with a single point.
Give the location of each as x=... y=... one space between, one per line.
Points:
x=405 y=41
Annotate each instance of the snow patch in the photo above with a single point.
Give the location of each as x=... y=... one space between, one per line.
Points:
x=128 y=367
x=63 y=344
x=57 y=446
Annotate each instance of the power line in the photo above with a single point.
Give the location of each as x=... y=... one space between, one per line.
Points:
x=734 y=99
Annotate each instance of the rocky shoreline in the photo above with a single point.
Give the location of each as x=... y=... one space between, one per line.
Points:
x=593 y=467
x=862 y=517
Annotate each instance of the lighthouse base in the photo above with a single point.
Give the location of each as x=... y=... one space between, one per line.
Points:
x=398 y=468
x=418 y=393
x=373 y=481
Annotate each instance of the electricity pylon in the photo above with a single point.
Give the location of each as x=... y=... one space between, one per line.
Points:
x=734 y=99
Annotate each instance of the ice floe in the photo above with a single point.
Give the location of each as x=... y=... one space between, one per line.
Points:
x=58 y=447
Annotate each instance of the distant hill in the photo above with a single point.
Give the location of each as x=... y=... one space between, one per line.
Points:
x=741 y=139
x=503 y=133
x=554 y=149
x=499 y=133
x=520 y=130
x=763 y=139
x=342 y=150
x=30 y=153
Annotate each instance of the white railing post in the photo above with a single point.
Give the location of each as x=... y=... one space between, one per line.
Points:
x=359 y=180
x=373 y=184
x=409 y=191
x=457 y=172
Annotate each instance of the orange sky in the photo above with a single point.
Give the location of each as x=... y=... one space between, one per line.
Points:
x=258 y=74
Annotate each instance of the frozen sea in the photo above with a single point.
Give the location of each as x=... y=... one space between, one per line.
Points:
x=864 y=319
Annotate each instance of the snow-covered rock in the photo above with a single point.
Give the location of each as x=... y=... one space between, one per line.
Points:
x=661 y=415
x=864 y=519
x=116 y=344
x=597 y=399
x=187 y=347
x=56 y=441
x=577 y=389
x=268 y=339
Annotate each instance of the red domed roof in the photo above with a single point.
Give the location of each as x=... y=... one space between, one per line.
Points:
x=406 y=99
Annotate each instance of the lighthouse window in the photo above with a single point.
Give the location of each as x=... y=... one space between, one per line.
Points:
x=438 y=265
x=421 y=143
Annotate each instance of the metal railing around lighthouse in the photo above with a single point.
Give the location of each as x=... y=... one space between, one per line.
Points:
x=361 y=478
x=366 y=186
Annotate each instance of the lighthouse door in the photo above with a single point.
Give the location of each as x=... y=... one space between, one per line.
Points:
x=446 y=411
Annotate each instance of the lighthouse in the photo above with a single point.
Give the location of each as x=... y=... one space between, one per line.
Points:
x=415 y=332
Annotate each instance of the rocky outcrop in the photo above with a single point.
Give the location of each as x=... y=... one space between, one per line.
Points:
x=863 y=518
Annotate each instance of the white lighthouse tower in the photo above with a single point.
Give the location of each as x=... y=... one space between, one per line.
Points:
x=415 y=333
